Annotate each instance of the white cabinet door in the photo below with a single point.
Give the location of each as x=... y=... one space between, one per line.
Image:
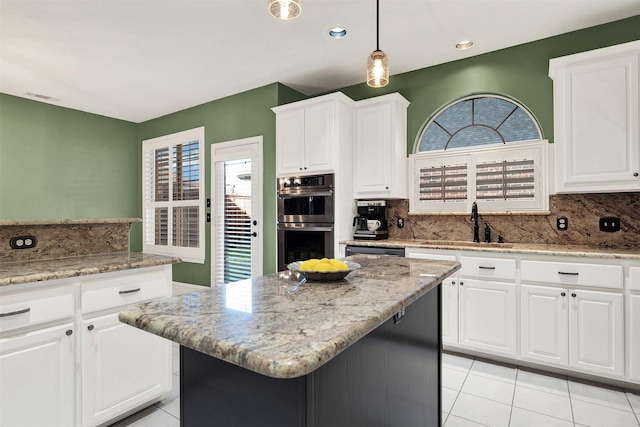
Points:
x=320 y=137
x=596 y=120
x=450 y=310
x=372 y=150
x=596 y=325
x=290 y=142
x=380 y=164
x=634 y=337
x=544 y=324
x=37 y=378
x=122 y=367
x=488 y=316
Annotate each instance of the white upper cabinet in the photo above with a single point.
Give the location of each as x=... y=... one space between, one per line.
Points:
x=596 y=117
x=381 y=147
x=311 y=135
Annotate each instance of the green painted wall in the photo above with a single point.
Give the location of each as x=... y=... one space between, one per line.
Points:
x=61 y=163
x=239 y=116
x=520 y=72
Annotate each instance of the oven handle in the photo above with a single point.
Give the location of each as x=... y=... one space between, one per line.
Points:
x=312 y=193
x=305 y=227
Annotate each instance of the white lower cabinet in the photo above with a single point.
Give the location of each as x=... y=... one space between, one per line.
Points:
x=449 y=322
x=62 y=364
x=596 y=332
x=544 y=328
x=37 y=378
x=488 y=316
x=562 y=312
x=576 y=328
x=634 y=338
x=122 y=367
x=450 y=310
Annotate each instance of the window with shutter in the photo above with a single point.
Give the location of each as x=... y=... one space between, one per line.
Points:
x=483 y=148
x=173 y=200
x=500 y=178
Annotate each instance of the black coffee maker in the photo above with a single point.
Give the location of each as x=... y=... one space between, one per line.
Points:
x=371 y=222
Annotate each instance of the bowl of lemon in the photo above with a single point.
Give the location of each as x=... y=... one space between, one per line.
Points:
x=323 y=270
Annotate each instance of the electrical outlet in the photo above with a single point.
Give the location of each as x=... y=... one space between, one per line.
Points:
x=609 y=224
x=23 y=242
x=562 y=223
x=400 y=222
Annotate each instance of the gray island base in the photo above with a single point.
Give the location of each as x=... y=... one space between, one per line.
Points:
x=361 y=352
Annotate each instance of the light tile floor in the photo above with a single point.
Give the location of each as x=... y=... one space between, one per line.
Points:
x=477 y=393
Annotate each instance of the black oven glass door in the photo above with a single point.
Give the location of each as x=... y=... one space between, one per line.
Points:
x=298 y=242
x=306 y=207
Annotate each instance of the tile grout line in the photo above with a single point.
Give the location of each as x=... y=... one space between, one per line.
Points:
x=633 y=410
x=513 y=397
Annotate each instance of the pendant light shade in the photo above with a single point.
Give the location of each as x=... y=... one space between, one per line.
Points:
x=378 y=62
x=285 y=9
x=378 y=69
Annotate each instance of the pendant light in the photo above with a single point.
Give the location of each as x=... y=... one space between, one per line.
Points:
x=285 y=9
x=378 y=61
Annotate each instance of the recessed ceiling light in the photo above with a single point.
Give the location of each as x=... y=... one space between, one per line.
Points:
x=337 y=32
x=466 y=44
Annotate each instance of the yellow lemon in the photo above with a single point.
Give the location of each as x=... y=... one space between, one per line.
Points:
x=324 y=266
x=338 y=265
x=309 y=265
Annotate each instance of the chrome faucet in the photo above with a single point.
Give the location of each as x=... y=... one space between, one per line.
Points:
x=474 y=218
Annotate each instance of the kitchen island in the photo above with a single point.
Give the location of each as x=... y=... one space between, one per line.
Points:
x=361 y=351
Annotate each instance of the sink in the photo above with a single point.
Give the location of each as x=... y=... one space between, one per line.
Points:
x=461 y=243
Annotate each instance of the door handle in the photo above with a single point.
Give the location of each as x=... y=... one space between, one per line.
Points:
x=254 y=234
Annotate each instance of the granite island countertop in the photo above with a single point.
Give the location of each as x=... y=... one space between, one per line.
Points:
x=519 y=248
x=21 y=272
x=257 y=325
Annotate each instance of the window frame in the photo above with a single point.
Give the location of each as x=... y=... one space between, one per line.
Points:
x=540 y=151
x=187 y=254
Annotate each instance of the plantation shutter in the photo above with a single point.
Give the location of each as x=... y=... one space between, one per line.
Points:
x=443 y=183
x=505 y=180
x=233 y=221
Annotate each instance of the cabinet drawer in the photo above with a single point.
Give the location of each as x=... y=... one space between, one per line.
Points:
x=569 y=273
x=634 y=275
x=493 y=268
x=125 y=289
x=426 y=254
x=35 y=306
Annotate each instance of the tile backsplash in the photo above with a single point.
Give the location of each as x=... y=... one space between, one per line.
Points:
x=582 y=210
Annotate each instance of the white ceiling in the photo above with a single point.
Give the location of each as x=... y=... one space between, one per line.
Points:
x=141 y=59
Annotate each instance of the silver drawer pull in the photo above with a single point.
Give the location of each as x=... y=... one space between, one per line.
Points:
x=130 y=291
x=14 y=313
x=568 y=274
x=486 y=268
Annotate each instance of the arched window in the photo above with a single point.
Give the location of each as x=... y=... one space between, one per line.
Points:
x=478 y=120
x=485 y=149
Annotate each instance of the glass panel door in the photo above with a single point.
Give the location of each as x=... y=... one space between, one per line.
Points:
x=237 y=212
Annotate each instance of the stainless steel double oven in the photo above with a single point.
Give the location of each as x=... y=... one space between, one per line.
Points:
x=305 y=218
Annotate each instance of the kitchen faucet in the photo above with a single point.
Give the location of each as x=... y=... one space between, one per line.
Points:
x=474 y=218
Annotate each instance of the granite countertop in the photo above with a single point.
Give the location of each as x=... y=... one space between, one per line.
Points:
x=20 y=272
x=257 y=325
x=520 y=248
